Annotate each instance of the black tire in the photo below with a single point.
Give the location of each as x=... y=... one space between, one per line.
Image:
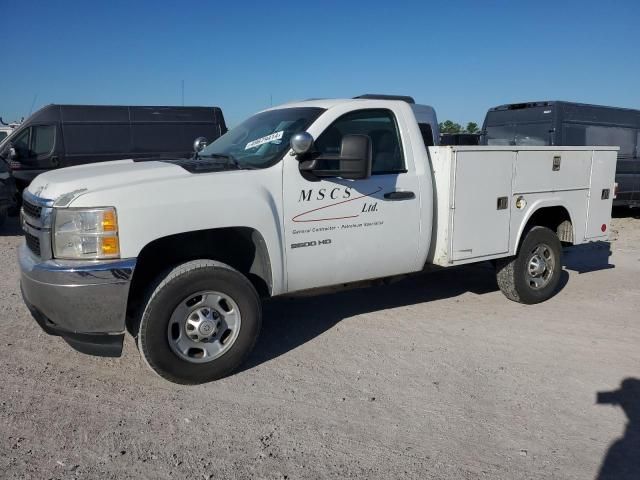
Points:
x=513 y=275
x=181 y=282
x=3 y=217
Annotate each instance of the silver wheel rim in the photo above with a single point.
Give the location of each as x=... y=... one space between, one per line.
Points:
x=204 y=326
x=540 y=266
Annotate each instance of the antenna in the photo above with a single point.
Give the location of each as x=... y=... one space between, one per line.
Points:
x=271 y=99
x=35 y=97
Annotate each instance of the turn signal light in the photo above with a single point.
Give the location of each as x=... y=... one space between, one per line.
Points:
x=109 y=246
x=109 y=222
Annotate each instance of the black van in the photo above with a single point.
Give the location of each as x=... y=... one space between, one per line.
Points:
x=7 y=191
x=65 y=135
x=459 y=138
x=574 y=124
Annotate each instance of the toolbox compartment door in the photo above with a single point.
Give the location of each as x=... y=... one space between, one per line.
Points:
x=601 y=192
x=551 y=171
x=481 y=203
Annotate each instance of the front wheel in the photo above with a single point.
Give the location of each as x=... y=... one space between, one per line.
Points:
x=200 y=322
x=533 y=275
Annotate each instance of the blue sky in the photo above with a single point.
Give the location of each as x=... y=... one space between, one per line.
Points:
x=461 y=57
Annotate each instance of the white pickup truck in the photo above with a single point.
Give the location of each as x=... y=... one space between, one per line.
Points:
x=298 y=197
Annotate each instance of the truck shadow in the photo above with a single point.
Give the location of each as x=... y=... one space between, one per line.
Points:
x=588 y=258
x=625 y=212
x=622 y=460
x=291 y=322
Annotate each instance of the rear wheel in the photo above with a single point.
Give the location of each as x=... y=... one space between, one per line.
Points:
x=3 y=217
x=533 y=275
x=200 y=322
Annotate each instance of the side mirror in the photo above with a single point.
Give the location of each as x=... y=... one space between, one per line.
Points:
x=13 y=153
x=355 y=157
x=199 y=144
x=301 y=143
x=353 y=162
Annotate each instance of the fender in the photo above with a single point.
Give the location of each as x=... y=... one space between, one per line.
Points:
x=534 y=205
x=148 y=211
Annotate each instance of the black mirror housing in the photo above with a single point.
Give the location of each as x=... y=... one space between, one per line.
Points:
x=13 y=153
x=355 y=157
x=354 y=161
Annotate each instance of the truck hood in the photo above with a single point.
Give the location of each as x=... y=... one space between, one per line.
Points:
x=65 y=184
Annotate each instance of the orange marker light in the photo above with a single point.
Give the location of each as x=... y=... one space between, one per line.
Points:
x=109 y=246
x=109 y=222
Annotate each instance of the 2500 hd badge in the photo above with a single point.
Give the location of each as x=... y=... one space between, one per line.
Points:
x=311 y=244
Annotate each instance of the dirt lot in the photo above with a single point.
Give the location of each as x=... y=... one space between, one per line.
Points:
x=437 y=376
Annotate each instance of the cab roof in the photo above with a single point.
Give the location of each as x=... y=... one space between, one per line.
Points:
x=328 y=103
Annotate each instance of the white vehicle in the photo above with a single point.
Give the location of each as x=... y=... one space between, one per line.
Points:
x=5 y=131
x=298 y=197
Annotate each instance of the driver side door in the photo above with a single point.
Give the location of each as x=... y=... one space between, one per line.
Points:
x=35 y=147
x=339 y=230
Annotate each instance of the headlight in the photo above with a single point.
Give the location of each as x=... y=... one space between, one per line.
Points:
x=90 y=233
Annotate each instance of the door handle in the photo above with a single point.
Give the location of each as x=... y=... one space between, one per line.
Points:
x=402 y=195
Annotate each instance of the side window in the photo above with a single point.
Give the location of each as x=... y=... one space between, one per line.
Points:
x=42 y=139
x=427 y=134
x=501 y=135
x=21 y=143
x=617 y=136
x=379 y=125
x=575 y=135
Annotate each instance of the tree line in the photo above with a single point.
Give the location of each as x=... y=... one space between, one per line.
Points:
x=451 y=127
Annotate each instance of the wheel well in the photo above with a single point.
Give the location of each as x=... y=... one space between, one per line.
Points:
x=242 y=248
x=556 y=219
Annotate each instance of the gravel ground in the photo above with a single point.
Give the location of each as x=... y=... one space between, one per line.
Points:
x=437 y=376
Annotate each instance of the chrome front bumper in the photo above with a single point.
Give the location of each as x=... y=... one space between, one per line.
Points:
x=78 y=300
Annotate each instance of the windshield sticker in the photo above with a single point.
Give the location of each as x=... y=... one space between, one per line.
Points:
x=261 y=141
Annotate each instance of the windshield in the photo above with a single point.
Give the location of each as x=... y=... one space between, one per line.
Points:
x=525 y=134
x=530 y=126
x=261 y=140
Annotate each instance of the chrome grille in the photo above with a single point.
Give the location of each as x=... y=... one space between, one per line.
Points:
x=31 y=210
x=36 y=222
x=33 y=243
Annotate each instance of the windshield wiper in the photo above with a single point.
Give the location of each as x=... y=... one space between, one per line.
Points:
x=231 y=160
